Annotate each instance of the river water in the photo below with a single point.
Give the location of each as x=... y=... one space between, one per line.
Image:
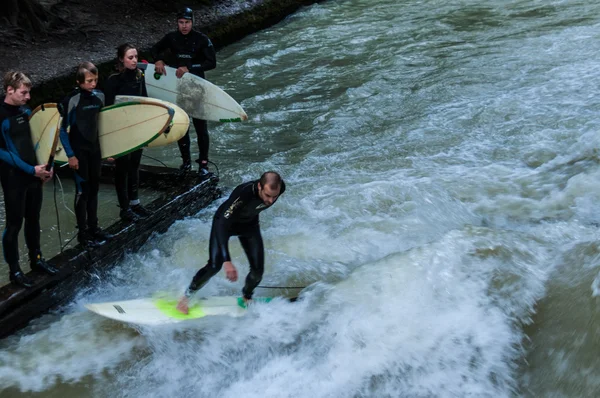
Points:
x=442 y=208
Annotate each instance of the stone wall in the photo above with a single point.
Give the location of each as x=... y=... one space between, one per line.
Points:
x=226 y=22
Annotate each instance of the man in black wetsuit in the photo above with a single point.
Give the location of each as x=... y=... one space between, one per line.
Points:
x=193 y=53
x=238 y=215
x=79 y=137
x=21 y=179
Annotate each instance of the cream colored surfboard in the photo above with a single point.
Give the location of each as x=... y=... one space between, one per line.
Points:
x=179 y=126
x=122 y=128
x=43 y=122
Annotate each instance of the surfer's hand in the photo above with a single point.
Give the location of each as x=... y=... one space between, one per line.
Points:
x=41 y=173
x=74 y=163
x=230 y=271
x=159 y=67
x=182 y=306
x=51 y=171
x=182 y=70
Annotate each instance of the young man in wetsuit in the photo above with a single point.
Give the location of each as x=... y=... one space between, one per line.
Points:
x=194 y=53
x=79 y=137
x=21 y=179
x=238 y=216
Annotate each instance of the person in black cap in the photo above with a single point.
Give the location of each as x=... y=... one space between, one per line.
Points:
x=21 y=179
x=193 y=53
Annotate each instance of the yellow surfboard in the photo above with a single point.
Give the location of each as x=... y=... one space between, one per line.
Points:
x=179 y=126
x=43 y=122
x=122 y=128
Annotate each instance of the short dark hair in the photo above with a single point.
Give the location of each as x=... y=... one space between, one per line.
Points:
x=272 y=179
x=84 y=67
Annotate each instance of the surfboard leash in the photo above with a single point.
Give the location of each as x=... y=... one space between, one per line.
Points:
x=60 y=245
x=216 y=167
x=281 y=287
x=57 y=215
x=155 y=159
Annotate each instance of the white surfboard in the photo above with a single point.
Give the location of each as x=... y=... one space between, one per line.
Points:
x=122 y=128
x=198 y=97
x=160 y=311
x=179 y=125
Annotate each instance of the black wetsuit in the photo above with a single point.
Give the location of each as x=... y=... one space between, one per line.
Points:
x=196 y=52
x=128 y=82
x=237 y=216
x=22 y=189
x=81 y=109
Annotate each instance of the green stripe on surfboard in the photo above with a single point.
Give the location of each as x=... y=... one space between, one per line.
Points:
x=242 y=303
x=169 y=308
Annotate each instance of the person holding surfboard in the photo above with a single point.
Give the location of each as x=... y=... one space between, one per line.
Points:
x=194 y=53
x=238 y=216
x=129 y=81
x=79 y=138
x=21 y=179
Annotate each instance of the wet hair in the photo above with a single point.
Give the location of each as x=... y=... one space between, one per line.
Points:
x=121 y=51
x=272 y=179
x=84 y=67
x=15 y=80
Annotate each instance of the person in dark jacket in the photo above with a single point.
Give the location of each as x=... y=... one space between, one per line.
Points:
x=79 y=138
x=129 y=81
x=192 y=52
x=238 y=216
x=21 y=179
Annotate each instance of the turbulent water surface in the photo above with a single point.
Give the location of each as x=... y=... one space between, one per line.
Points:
x=442 y=208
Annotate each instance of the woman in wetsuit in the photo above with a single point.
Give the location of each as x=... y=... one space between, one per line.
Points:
x=129 y=81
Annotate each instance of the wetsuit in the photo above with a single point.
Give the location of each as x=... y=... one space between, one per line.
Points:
x=22 y=189
x=81 y=109
x=128 y=82
x=196 y=52
x=237 y=216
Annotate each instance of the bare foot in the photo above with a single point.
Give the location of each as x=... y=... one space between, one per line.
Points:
x=182 y=306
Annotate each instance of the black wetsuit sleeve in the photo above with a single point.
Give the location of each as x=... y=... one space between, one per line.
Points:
x=159 y=48
x=144 y=92
x=10 y=155
x=64 y=135
x=110 y=90
x=209 y=56
x=101 y=97
x=227 y=214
